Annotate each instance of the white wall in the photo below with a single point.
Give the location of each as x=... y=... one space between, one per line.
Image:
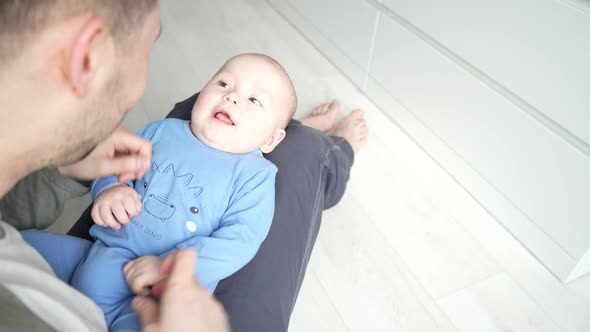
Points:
x=494 y=91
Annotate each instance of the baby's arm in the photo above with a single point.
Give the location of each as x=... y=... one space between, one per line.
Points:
x=114 y=201
x=244 y=226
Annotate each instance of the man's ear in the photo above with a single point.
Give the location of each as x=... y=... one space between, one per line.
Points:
x=83 y=56
x=273 y=141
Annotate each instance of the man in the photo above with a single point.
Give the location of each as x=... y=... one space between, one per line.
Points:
x=71 y=69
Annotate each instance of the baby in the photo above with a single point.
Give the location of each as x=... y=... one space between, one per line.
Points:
x=209 y=189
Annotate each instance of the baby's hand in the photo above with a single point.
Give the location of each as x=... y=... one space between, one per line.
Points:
x=115 y=205
x=142 y=273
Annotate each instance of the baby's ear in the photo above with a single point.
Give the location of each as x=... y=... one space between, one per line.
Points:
x=273 y=141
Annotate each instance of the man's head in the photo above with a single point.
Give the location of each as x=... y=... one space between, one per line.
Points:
x=76 y=66
x=245 y=106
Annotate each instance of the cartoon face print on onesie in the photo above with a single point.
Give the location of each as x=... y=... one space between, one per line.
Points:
x=165 y=197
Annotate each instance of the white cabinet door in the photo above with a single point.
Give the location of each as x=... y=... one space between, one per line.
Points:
x=538 y=50
x=341 y=29
x=493 y=90
x=526 y=163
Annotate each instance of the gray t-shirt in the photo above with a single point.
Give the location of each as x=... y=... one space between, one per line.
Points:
x=32 y=298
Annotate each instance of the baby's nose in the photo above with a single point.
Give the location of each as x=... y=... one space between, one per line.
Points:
x=231 y=97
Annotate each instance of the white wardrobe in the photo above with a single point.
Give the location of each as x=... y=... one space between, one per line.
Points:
x=497 y=92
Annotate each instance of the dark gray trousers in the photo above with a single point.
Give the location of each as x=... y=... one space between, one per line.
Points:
x=313 y=170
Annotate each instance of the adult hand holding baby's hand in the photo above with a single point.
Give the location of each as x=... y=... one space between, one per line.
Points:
x=143 y=272
x=115 y=205
x=123 y=153
x=185 y=305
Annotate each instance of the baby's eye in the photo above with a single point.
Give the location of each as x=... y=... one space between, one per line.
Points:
x=223 y=84
x=255 y=101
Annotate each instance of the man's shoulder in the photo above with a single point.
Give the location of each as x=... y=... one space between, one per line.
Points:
x=16 y=316
x=27 y=281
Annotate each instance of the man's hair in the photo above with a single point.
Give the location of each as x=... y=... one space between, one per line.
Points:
x=22 y=20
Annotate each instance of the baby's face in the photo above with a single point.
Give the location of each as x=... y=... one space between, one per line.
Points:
x=242 y=106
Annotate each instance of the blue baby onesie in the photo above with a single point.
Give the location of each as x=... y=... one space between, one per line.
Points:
x=218 y=203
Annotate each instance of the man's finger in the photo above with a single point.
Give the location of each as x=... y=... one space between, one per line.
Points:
x=147 y=310
x=124 y=140
x=127 y=176
x=158 y=288
x=123 y=165
x=128 y=143
x=166 y=266
x=183 y=268
x=185 y=272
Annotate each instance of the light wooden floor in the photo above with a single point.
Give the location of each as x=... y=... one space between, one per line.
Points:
x=407 y=249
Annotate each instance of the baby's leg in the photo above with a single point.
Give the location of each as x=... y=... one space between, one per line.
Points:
x=100 y=276
x=62 y=252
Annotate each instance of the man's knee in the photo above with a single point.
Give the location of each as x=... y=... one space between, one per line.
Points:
x=302 y=147
x=252 y=318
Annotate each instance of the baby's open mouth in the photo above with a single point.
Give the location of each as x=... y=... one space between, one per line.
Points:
x=223 y=117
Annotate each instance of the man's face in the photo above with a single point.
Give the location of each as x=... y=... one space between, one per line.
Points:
x=241 y=106
x=117 y=88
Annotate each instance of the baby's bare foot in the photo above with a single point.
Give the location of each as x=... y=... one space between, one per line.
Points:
x=353 y=128
x=323 y=117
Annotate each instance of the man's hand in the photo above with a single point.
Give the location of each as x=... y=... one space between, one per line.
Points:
x=185 y=305
x=142 y=273
x=115 y=205
x=123 y=153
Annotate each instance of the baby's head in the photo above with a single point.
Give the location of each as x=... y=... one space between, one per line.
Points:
x=245 y=106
